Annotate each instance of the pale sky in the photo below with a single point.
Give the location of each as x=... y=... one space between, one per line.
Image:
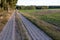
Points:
x=39 y=2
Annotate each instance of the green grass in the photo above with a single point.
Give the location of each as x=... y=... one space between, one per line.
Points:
x=52 y=18
x=38 y=17
x=32 y=11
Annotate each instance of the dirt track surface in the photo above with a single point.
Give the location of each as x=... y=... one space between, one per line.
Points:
x=34 y=32
x=9 y=31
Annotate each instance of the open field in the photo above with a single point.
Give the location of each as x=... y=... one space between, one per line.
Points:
x=45 y=19
x=4 y=16
x=52 y=18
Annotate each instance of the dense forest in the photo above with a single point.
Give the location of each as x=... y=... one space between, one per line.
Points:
x=7 y=4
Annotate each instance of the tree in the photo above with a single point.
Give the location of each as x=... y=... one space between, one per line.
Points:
x=27 y=7
x=5 y=4
x=44 y=7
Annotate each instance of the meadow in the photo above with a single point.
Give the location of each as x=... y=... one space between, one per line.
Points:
x=46 y=20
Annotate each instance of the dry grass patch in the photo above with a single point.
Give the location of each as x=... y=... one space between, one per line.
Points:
x=4 y=16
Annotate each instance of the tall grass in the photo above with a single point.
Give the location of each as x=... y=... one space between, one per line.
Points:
x=4 y=16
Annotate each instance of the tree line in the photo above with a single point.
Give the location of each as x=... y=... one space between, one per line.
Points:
x=37 y=7
x=6 y=4
x=31 y=7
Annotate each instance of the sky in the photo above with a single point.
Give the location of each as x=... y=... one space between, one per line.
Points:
x=38 y=2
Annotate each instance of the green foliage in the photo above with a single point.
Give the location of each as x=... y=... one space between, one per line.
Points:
x=44 y=7
x=25 y=7
x=5 y=4
x=32 y=7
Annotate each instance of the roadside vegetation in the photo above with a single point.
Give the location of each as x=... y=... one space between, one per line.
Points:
x=6 y=9
x=45 y=19
x=4 y=16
